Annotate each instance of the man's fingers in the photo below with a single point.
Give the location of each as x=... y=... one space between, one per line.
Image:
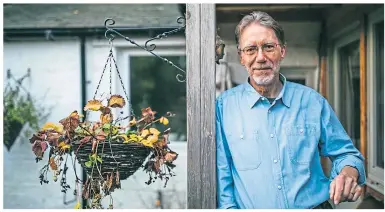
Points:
x=357 y=193
x=354 y=187
x=332 y=189
x=340 y=182
x=347 y=187
x=352 y=191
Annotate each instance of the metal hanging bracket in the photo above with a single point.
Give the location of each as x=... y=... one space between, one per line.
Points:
x=111 y=32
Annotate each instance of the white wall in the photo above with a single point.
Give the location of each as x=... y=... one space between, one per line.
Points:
x=55 y=71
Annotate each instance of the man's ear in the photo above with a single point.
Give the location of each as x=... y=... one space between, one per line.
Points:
x=283 y=51
x=241 y=60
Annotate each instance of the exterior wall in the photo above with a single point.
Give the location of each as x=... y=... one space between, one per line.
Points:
x=55 y=72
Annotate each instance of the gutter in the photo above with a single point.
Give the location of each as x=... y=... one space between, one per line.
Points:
x=49 y=33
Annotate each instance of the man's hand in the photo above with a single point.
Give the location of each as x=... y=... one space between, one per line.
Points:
x=344 y=187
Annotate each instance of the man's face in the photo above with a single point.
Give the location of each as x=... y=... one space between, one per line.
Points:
x=262 y=63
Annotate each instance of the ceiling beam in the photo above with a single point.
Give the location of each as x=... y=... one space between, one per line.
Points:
x=300 y=15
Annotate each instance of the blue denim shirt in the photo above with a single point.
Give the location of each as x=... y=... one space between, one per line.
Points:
x=268 y=155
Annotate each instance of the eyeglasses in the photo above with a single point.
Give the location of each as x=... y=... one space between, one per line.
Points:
x=266 y=48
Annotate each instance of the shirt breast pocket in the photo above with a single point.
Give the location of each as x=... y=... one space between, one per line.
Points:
x=301 y=142
x=244 y=150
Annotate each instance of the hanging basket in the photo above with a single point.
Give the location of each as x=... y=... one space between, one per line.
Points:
x=125 y=158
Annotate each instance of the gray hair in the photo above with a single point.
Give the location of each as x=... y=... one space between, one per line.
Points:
x=263 y=19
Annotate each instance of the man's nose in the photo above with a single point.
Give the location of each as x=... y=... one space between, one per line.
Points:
x=260 y=57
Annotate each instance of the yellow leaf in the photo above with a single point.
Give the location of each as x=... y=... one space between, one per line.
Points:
x=145 y=133
x=125 y=138
x=106 y=118
x=146 y=143
x=132 y=122
x=116 y=101
x=77 y=206
x=49 y=125
x=93 y=105
x=154 y=131
x=64 y=146
x=163 y=120
x=152 y=138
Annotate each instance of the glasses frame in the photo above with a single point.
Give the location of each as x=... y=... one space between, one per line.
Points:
x=263 y=47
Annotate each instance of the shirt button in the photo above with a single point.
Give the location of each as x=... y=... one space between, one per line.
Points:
x=275 y=161
x=301 y=130
x=269 y=111
x=271 y=135
x=263 y=98
x=279 y=187
x=241 y=136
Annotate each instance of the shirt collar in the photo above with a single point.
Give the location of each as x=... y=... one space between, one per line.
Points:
x=254 y=96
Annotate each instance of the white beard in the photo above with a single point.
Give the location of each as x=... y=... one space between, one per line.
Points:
x=263 y=80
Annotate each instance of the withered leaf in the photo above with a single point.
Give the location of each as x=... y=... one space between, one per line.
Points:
x=71 y=122
x=116 y=101
x=52 y=163
x=86 y=139
x=39 y=148
x=93 y=105
x=148 y=115
x=106 y=118
x=170 y=156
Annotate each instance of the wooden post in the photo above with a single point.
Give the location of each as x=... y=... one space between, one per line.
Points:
x=200 y=45
x=363 y=96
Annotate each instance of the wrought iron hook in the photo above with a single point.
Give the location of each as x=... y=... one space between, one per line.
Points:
x=111 y=32
x=180 y=20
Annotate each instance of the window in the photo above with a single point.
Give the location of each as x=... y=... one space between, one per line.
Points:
x=154 y=84
x=349 y=67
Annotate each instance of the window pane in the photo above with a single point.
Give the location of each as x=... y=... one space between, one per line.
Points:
x=349 y=60
x=154 y=84
x=379 y=92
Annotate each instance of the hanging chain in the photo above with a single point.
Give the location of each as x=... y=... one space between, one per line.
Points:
x=110 y=60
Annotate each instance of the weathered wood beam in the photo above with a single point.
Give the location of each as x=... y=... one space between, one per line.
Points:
x=193 y=62
x=200 y=45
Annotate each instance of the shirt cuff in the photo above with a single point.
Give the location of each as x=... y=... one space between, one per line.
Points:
x=228 y=206
x=356 y=163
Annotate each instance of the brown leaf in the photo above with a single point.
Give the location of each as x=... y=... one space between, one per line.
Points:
x=39 y=136
x=53 y=138
x=86 y=139
x=148 y=115
x=101 y=136
x=170 y=156
x=116 y=101
x=52 y=163
x=71 y=122
x=110 y=181
x=39 y=148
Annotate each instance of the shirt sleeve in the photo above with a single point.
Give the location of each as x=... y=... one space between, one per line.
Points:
x=225 y=185
x=337 y=145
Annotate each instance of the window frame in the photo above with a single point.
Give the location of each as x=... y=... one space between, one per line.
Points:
x=375 y=173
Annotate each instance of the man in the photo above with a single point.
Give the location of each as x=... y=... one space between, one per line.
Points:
x=271 y=133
